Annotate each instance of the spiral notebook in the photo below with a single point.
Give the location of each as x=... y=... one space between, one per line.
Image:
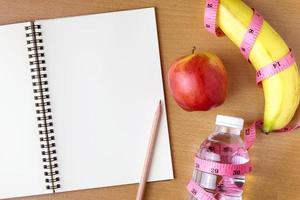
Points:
x=77 y=99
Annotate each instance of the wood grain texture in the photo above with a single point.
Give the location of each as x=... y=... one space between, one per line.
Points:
x=276 y=159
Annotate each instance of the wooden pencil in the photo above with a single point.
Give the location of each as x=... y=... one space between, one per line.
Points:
x=149 y=155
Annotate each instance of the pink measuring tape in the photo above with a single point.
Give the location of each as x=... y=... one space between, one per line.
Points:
x=210 y=22
x=198 y=192
x=252 y=33
x=265 y=72
x=275 y=67
x=222 y=169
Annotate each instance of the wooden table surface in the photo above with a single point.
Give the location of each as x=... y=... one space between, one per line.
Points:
x=276 y=159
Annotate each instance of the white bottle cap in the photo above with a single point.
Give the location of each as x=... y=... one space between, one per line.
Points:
x=232 y=122
x=209 y=181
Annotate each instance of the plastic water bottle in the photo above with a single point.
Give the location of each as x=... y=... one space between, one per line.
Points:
x=224 y=146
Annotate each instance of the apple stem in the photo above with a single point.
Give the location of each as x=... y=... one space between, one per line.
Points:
x=193 y=50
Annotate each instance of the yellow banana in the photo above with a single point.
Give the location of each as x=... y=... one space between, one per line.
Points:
x=281 y=91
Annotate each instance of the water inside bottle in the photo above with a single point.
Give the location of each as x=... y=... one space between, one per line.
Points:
x=223 y=146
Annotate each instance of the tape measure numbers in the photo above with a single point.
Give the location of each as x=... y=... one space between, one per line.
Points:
x=265 y=72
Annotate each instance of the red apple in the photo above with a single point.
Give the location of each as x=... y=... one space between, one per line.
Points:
x=198 y=82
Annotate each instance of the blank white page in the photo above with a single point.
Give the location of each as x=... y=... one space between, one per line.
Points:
x=21 y=167
x=105 y=82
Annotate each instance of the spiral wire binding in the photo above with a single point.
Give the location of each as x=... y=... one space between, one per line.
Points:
x=42 y=103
